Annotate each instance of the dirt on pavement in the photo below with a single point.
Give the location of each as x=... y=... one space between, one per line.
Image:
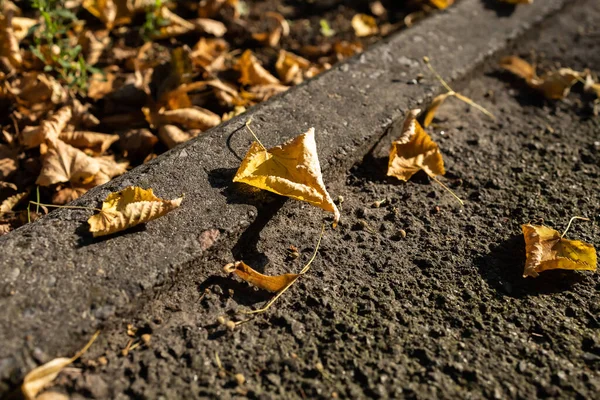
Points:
x=416 y=298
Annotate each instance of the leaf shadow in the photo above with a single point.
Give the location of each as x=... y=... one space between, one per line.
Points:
x=525 y=95
x=86 y=238
x=502 y=269
x=503 y=10
x=242 y=292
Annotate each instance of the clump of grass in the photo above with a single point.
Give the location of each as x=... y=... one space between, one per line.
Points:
x=52 y=45
x=154 y=21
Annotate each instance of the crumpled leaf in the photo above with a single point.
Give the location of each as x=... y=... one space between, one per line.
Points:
x=210 y=54
x=127 y=208
x=252 y=73
x=554 y=85
x=441 y=4
x=8 y=162
x=272 y=37
x=260 y=93
x=190 y=118
x=546 y=250
x=292 y=68
x=7 y=185
x=291 y=169
x=64 y=163
x=34 y=88
x=364 y=25
x=39 y=378
x=10 y=43
x=8 y=204
x=96 y=142
x=264 y=282
x=209 y=26
x=413 y=151
x=116 y=12
x=49 y=129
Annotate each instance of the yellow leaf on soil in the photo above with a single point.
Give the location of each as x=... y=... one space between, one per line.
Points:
x=546 y=249
x=39 y=378
x=64 y=163
x=252 y=73
x=97 y=142
x=433 y=107
x=441 y=4
x=413 y=151
x=291 y=169
x=127 y=208
x=553 y=85
x=364 y=25
x=265 y=282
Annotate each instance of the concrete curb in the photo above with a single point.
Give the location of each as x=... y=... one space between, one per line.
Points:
x=57 y=284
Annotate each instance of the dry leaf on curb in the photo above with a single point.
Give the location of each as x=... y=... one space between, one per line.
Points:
x=413 y=151
x=64 y=163
x=39 y=378
x=127 y=208
x=441 y=4
x=265 y=282
x=49 y=129
x=554 y=85
x=252 y=73
x=364 y=25
x=8 y=162
x=10 y=203
x=97 y=142
x=291 y=169
x=546 y=249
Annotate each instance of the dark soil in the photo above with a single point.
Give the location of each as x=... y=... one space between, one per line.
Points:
x=440 y=313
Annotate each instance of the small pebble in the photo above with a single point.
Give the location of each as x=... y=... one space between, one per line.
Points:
x=146 y=338
x=402 y=233
x=240 y=379
x=221 y=320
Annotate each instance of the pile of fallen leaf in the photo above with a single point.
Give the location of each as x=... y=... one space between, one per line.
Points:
x=90 y=88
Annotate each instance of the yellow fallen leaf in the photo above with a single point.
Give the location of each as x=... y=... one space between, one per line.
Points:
x=96 y=142
x=292 y=68
x=8 y=162
x=441 y=4
x=10 y=203
x=554 y=85
x=64 y=163
x=251 y=72
x=364 y=25
x=127 y=208
x=265 y=282
x=49 y=129
x=210 y=54
x=591 y=86
x=39 y=378
x=546 y=249
x=72 y=191
x=291 y=169
x=413 y=151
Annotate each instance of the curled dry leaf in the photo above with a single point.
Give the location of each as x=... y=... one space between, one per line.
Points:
x=11 y=202
x=189 y=118
x=7 y=185
x=39 y=378
x=10 y=43
x=209 y=26
x=251 y=72
x=554 y=85
x=96 y=142
x=413 y=151
x=265 y=282
x=171 y=135
x=35 y=90
x=49 y=129
x=292 y=68
x=72 y=191
x=64 y=163
x=127 y=208
x=100 y=84
x=210 y=54
x=291 y=169
x=364 y=25
x=93 y=45
x=546 y=249
x=110 y=167
x=8 y=162
x=272 y=37
x=260 y=93
x=82 y=116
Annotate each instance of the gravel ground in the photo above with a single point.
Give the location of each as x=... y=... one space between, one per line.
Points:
x=417 y=298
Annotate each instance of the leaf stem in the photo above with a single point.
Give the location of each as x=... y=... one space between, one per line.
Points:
x=448 y=189
x=569 y=224
x=253 y=134
x=71 y=207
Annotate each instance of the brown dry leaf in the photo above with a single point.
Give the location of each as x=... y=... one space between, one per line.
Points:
x=265 y=282
x=252 y=73
x=21 y=26
x=64 y=163
x=171 y=135
x=34 y=88
x=211 y=8
x=96 y=142
x=343 y=49
x=82 y=117
x=260 y=93
x=11 y=202
x=546 y=249
x=413 y=151
x=292 y=68
x=71 y=192
x=554 y=85
x=10 y=43
x=210 y=54
x=209 y=26
x=49 y=129
x=433 y=107
x=272 y=37
x=110 y=167
x=226 y=94
x=39 y=378
x=189 y=118
x=8 y=162
x=364 y=25
x=441 y=4
x=105 y=10
x=100 y=85
x=7 y=185
x=93 y=44
x=591 y=86
x=127 y=208
x=137 y=143
x=291 y=169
